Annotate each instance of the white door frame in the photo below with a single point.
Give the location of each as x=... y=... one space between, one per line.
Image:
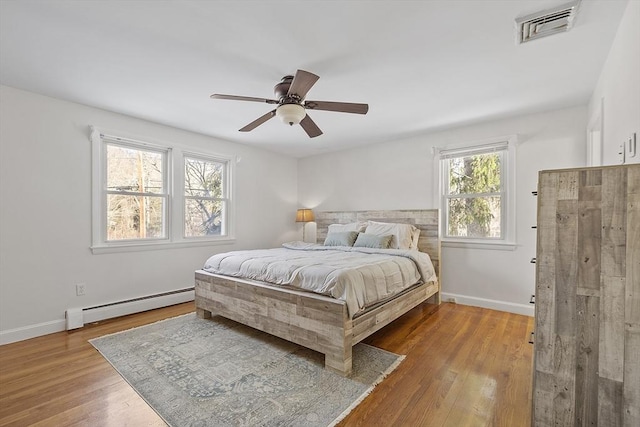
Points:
x=595 y=136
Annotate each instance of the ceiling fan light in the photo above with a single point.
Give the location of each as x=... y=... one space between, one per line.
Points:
x=291 y=114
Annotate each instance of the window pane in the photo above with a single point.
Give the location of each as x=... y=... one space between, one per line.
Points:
x=203 y=217
x=129 y=169
x=475 y=174
x=475 y=217
x=203 y=178
x=134 y=217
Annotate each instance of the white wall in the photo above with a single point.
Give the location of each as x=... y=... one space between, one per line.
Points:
x=619 y=86
x=45 y=215
x=400 y=175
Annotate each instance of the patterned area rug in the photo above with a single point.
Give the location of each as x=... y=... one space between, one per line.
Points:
x=217 y=372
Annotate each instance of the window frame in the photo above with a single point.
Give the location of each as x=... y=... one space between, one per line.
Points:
x=174 y=187
x=505 y=145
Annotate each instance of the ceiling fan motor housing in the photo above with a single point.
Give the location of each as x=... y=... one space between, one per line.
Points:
x=282 y=89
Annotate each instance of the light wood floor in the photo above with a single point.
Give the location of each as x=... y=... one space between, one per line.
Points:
x=465 y=366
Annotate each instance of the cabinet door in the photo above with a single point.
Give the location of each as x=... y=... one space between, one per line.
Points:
x=587 y=343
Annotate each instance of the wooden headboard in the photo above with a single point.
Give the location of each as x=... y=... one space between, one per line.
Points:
x=424 y=219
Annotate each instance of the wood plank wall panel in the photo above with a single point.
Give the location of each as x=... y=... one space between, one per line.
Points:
x=587 y=343
x=631 y=387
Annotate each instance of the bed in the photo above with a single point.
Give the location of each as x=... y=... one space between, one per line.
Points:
x=317 y=321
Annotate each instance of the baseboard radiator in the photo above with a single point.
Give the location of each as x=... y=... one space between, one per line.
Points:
x=78 y=317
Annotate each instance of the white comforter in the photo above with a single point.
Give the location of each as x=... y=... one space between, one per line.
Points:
x=359 y=276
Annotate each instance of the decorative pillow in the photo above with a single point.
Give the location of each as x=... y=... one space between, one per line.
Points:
x=353 y=226
x=344 y=238
x=401 y=233
x=414 y=239
x=365 y=240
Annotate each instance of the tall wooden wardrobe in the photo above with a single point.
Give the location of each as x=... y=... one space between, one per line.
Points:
x=587 y=327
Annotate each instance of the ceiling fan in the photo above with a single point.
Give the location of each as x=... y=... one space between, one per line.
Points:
x=291 y=104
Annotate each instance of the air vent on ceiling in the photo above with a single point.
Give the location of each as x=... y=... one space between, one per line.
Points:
x=546 y=22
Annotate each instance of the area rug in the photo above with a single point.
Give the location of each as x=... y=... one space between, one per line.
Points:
x=216 y=372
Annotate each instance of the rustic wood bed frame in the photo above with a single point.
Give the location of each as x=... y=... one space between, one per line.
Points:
x=315 y=321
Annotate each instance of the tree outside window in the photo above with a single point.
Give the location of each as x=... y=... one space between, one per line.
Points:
x=474 y=194
x=205 y=197
x=149 y=195
x=136 y=193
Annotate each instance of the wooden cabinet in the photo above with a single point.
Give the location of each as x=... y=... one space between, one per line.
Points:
x=587 y=333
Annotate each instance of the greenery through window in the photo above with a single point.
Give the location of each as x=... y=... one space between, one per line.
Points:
x=136 y=196
x=474 y=193
x=205 y=197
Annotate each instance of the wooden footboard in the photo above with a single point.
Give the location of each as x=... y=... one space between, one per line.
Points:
x=314 y=321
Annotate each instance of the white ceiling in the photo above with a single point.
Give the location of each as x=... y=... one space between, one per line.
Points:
x=420 y=65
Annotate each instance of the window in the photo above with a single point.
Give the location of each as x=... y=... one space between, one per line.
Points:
x=136 y=192
x=476 y=183
x=148 y=195
x=205 y=197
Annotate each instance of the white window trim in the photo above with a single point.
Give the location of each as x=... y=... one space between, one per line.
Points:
x=175 y=186
x=508 y=241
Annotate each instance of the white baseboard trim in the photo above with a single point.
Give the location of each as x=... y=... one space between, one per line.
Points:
x=94 y=315
x=31 y=331
x=510 y=307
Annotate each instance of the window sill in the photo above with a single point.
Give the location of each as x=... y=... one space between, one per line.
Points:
x=155 y=246
x=498 y=246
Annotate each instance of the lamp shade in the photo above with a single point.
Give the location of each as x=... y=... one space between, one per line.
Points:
x=291 y=113
x=304 y=215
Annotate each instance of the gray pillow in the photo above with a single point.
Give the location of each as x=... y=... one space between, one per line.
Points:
x=372 y=241
x=344 y=238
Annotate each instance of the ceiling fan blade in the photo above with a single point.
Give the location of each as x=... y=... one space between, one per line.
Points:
x=257 y=122
x=302 y=82
x=243 y=98
x=341 y=107
x=310 y=127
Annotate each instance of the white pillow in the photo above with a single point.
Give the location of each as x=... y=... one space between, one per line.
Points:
x=341 y=228
x=402 y=233
x=414 y=239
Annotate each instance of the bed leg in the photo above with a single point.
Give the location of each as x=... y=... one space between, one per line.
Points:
x=435 y=299
x=203 y=314
x=340 y=361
